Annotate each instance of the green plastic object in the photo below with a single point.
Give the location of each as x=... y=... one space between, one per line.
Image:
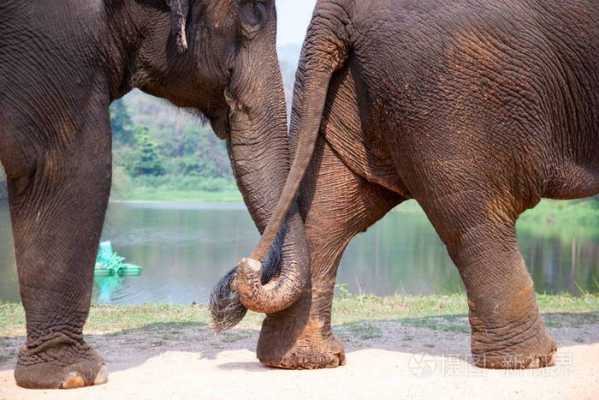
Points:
x=109 y=263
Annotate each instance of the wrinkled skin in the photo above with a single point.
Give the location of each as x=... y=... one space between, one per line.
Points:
x=476 y=109
x=61 y=64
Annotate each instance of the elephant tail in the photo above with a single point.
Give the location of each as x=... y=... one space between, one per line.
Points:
x=226 y=309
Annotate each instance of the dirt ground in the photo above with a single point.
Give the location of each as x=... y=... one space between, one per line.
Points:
x=385 y=360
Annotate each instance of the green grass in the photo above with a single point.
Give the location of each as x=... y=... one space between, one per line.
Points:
x=163 y=195
x=550 y=218
x=563 y=219
x=355 y=314
x=348 y=309
x=177 y=189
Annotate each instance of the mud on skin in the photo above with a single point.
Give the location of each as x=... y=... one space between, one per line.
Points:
x=62 y=63
x=475 y=109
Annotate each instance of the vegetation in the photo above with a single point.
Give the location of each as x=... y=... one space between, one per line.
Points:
x=161 y=153
x=563 y=219
x=355 y=314
x=186 y=188
x=551 y=218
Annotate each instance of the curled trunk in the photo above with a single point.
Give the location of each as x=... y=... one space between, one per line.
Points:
x=259 y=150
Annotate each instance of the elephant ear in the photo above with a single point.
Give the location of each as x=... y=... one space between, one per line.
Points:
x=179 y=10
x=253 y=15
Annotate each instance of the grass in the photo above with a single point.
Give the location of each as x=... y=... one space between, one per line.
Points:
x=550 y=218
x=355 y=314
x=585 y=211
x=167 y=195
x=563 y=219
x=178 y=189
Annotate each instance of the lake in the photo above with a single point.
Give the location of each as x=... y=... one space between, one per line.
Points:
x=186 y=248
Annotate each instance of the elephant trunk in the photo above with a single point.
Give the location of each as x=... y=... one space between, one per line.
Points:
x=274 y=279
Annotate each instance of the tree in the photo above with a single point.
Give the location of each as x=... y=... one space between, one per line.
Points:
x=181 y=144
x=145 y=159
x=123 y=130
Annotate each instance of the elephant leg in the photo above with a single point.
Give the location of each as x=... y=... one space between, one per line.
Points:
x=337 y=205
x=58 y=208
x=508 y=331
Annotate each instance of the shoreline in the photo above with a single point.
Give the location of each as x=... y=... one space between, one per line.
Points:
x=556 y=218
x=347 y=309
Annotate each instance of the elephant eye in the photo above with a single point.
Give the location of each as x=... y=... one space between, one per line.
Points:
x=253 y=13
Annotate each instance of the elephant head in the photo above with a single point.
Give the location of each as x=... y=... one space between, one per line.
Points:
x=221 y=61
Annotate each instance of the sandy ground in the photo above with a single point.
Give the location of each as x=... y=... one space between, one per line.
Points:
x=396 y=362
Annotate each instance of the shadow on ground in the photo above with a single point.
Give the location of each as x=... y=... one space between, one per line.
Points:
x=445 y=336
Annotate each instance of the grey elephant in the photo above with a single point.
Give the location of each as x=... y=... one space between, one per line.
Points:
x=62 y=62
x=476 y=109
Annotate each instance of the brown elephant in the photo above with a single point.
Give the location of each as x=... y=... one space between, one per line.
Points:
x=62 y=62
x=476 y=109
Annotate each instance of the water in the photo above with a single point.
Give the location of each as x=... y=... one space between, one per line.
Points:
x=186 y=248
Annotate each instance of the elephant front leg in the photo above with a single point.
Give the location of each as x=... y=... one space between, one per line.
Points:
x=508 y=331
x=58 y=209
x=337 y=205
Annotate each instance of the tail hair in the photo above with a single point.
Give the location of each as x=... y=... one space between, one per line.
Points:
x=225 y=307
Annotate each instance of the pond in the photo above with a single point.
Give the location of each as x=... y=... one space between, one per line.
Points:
x=186 y=248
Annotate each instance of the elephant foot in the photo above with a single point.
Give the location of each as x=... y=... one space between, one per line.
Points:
x=60 y=363
x=308 y=353
x=308 y=348
x=522 y=346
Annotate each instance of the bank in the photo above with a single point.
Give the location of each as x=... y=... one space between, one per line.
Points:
x=354 y=312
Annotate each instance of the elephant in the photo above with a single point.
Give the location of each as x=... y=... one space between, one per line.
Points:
x=61 y=65
x=475 y=109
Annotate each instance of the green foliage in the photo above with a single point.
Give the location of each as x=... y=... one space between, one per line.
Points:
x=122 y=125
x=563 y=219
x=145 y=159
x=160 y=149
x=121 y=181
x=342 y=291
x=184 y=183
x=181 y=188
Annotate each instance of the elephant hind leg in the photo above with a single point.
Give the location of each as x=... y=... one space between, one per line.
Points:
x=337 y=205
x=507 y=329
x=57 y=212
